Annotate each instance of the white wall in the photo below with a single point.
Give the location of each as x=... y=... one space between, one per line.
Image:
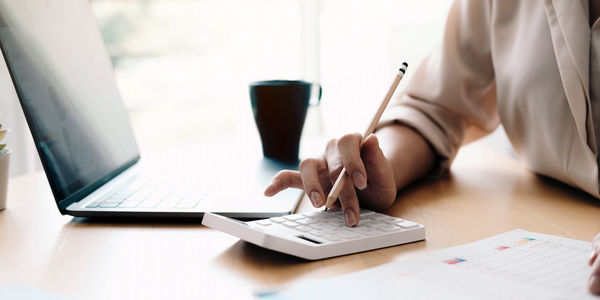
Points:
x=23 y=157
x=189 y=62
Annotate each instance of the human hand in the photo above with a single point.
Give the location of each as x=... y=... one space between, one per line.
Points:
x=370 y=173
x=594 y=281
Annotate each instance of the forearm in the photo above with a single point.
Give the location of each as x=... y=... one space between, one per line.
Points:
x=407 y=151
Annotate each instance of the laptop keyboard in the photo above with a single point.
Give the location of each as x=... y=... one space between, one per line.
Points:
x=152 y=193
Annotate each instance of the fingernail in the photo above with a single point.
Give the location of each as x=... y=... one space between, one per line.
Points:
x=316 y=199
x=350 y=217
x=359 y=180
x=594 y=285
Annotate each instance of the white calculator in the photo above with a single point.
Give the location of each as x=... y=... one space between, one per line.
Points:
x=321 y=234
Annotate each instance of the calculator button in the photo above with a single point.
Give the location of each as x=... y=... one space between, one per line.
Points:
x=388 y=227
x=367 y=222
x=389 y=220
x=312 y=214
x=290 y=224
x=372 y=216
x=364 y=213
x=303 y=228
x=264 y=222
x=320 y=226
x=334 y=213
x=306 y=221
x=294 y=217
x=331 y=229
x=407 y=224
x=394 y=221
x=337 y=223
x=323 y=218
x=316 y=233
x=277 y=220
x=347 y=234
x=380 y=216
x=332 y=238
x=367 y=231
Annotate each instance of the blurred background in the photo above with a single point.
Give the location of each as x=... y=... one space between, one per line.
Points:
x=183 y=66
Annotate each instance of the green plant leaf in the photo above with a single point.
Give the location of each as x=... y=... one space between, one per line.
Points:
x=2 y=146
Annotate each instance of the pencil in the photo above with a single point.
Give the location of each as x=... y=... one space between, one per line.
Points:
x=339 y=182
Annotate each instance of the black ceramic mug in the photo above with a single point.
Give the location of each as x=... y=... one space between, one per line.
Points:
x=279 y=108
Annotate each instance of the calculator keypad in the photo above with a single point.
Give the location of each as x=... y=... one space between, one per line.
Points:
x=330 y=225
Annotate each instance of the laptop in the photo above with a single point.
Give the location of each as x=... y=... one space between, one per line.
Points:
x=65 y=84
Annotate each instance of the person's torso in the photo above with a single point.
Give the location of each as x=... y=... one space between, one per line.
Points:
x=540 y=53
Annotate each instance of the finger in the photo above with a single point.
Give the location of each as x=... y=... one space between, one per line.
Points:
x=309 y=172
x=377 y=165
x=596 y=241
x=333 y=160
x=349 y=202
x=594 y=281
x=334 y=168
x=349 y=148
x=593 y=255
x=325 y=180
x=596 y=268
x=347 y=198
x=283 y=180
x=594 y=285
x=595 y=249
x=335 y=205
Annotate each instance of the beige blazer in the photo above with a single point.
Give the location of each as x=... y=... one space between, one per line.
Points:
x=520 y=63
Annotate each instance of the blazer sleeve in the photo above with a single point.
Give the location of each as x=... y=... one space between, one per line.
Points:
x=454 y=87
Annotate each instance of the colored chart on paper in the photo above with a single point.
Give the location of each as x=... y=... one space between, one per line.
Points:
x=513 y=265
x=531 y=260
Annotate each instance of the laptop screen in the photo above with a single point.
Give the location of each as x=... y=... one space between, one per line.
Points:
x=66 y=86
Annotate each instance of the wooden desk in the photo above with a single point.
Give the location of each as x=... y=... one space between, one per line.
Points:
x=486 y=194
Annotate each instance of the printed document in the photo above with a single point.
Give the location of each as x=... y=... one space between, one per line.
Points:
x=517 y=264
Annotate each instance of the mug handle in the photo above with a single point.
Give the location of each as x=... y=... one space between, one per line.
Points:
x=314 y=101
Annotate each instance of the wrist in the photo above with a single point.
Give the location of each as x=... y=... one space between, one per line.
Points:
x=408 y=152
